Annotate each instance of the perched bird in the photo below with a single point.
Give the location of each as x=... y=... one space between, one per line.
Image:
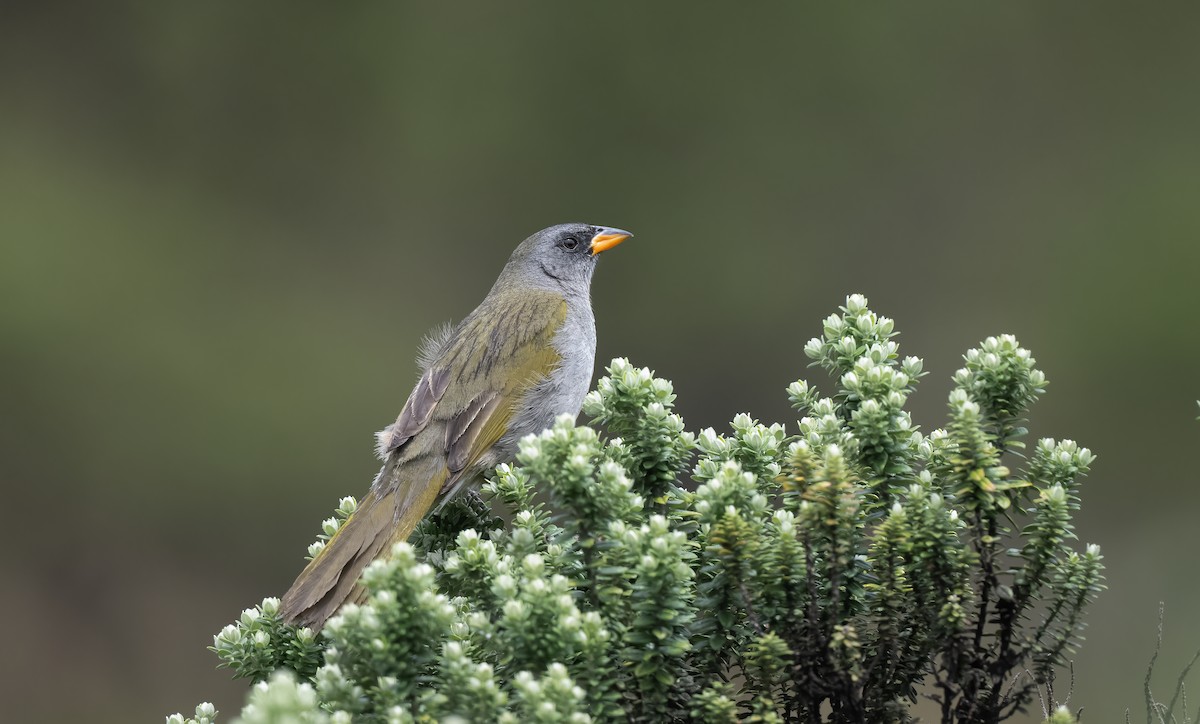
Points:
x=523 y=357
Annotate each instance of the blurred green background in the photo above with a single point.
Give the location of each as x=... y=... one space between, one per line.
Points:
x=224 y=228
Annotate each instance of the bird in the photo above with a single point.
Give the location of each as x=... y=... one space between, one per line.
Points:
x=523 y=357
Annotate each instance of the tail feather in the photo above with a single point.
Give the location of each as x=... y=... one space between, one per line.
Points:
x=388 y=514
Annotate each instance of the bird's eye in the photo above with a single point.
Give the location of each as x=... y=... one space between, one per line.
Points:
x=570 y=243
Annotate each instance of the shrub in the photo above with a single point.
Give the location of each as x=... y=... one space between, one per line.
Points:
x=831 y=575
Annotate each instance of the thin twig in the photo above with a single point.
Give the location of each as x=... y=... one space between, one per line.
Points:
x=1150 y=669
x=1042 y=698
x=1179 y=688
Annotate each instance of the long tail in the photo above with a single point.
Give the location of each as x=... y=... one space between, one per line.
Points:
x=388 y=514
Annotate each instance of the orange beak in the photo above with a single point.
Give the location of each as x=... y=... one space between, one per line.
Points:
x=607 y=238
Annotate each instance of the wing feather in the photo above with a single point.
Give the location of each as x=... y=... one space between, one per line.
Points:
x=463 y=431
x=416 y=412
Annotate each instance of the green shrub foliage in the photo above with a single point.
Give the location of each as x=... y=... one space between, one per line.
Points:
x=648 y=574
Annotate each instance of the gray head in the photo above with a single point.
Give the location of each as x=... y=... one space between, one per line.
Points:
x=560 y=257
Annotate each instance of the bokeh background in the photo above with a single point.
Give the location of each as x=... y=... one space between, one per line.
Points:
x=224 y=228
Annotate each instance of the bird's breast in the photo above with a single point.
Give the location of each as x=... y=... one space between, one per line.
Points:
x=564 y=389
